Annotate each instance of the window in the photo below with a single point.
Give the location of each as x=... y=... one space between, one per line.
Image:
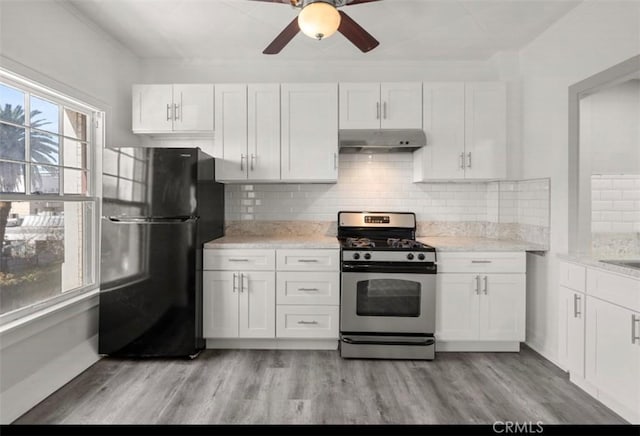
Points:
x=48 y=200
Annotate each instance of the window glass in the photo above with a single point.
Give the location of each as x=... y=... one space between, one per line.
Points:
x=75 y=153
x=11 y=104
x=45 y=179
x=75 y=124
x=75 y=181
x=44 y=115
x=45 y=147
x=11 y=177
x=12 y=140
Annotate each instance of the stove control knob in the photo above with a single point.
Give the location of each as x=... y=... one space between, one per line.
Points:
x=421 y=256
x=356 y=256
x=367 y=256
x=410 y=256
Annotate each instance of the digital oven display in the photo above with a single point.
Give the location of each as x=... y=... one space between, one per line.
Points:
x=376 y=219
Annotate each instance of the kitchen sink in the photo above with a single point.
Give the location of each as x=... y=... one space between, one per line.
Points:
x=627 y=263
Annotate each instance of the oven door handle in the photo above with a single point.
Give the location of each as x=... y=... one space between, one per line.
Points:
x=429 y=341
x=418 y=268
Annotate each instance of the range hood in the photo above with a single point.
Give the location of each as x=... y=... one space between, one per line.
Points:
x=380 y=140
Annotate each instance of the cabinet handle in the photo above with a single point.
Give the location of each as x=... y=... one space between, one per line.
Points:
x=634 y=337
x=308 y=260
x=241 y=162
x=238 y=260
x=481 y=261
x=308 y=322
x=377 y=110
x=335 y=161
x=486 y=285
x=176 y=112
x=242 y=282
x=308 y=289
x=384 y=110
x=253 y=157
x=469 y=157
x=576 y=306
x=235 y=287
x=478 y=285
x=462 y=160
x=168 y=112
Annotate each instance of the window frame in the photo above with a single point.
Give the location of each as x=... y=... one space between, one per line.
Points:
x=95 y=140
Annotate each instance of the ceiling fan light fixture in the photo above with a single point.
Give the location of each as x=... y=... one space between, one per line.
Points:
x=319 y=20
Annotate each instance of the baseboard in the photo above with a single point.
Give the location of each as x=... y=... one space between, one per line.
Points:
x=546 y=354
x=23 y=396
x=478 y=346
x=274 y=344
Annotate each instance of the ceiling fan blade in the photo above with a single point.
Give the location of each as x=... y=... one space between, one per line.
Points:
x=287 y=2
x=356 y=34
x=355 y=2
x=283 y=38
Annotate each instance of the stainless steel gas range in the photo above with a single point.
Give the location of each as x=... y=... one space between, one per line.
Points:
x=388 y=287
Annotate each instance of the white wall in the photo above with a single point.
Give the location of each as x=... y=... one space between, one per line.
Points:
x=590 y=38
x=47 y=42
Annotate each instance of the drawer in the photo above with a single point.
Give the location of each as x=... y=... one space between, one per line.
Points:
x=239 y=260
x=617 y=289
x=482 y=262
x=573 y=276
x=308 y=288
x=307 y=322
x=308 y=260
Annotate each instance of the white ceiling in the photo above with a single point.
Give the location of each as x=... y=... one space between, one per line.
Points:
x=241 y=29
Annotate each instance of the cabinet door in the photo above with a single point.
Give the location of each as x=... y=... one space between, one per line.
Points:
x=612 y=358
x=220 y=304
x=152 y=108
x=502 y=307
x=231 y=132
x=485 y=130
x=401 y=105
x=193 y=108
x=257 y=304
x=360 y=106
x=457 y=307
x=443 y=120
x=263 y=128
x=309 y=132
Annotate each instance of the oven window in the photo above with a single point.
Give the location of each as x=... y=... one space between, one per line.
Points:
x=388 y=297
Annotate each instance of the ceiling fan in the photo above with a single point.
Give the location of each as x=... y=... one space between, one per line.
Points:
x=320 y=19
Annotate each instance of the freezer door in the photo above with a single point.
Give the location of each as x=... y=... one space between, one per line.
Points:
x=150 y=298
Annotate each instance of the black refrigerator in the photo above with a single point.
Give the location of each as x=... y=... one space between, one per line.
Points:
x=159 y=206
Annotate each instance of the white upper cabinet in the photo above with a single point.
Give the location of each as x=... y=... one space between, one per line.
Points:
x=465 y=126
x=172 y=108
x=263 y=125
x=231 y=132
x=309 y=144
x=380 y=105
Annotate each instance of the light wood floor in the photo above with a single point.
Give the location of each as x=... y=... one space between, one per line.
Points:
x=318 y=387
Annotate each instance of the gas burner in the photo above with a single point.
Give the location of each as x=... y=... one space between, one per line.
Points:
x=404 y=243
x=360 y=243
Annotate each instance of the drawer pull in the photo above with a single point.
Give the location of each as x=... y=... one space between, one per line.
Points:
x=481 y=261
x=576 y=306
x=238 y=260
x=308 y=260
x=308 y=289
x=634 y=336
x=308 y=322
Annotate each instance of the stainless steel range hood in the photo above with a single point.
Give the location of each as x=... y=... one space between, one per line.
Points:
x=381 y=140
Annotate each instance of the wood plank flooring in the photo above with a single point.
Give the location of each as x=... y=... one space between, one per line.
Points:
x=318 y=387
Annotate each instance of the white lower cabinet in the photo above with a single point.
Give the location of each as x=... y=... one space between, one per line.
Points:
x=572 y=308
x=239 y=304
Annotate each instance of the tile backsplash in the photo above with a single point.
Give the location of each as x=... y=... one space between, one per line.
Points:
x=384 y=182
x=615 y=203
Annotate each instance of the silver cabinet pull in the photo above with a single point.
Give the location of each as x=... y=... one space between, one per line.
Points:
x=308 y=322
x=241 y=162
x=462 y=160
x=235 y=287
x=253 y=157
x=335 y=161
x=576 y=306
x=168 y=112
x=308 y=289
x=384 y=110
x=469 y=157
x=481 y=261
x=478 y=285
x=634 y=337
x=308 y=260
x=377 y=110
x=486 y=285
x=176 y=115
x=242 y=283
x=238 y=260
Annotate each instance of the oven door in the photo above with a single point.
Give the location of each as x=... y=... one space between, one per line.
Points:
x=388 y=303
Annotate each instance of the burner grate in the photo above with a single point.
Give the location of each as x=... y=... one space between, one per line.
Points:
x=404 y=243
x=360 y=243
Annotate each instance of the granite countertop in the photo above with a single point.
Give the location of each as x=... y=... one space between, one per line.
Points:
x=274 y=242
x=454 y=243
x=590 y=261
